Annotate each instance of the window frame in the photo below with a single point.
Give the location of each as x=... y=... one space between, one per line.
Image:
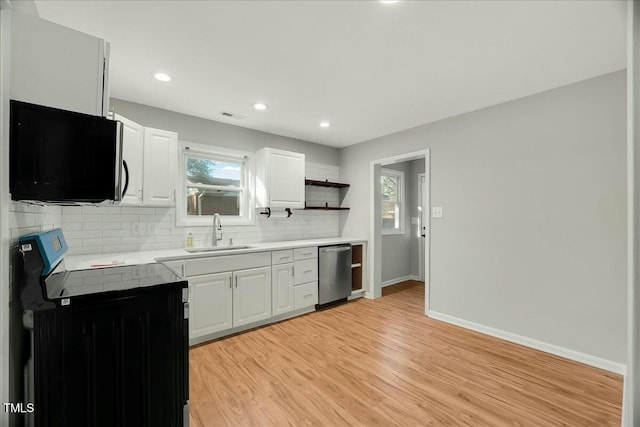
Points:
x=400 y=176
x=210 y=152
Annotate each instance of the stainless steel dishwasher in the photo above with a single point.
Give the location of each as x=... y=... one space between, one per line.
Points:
x=334 y=274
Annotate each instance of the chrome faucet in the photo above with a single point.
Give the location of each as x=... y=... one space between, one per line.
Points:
x=214 y=237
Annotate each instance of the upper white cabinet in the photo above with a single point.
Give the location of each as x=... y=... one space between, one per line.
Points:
x=151 y=156
x=279 y=179
x=132 y=153
x=58 y=67
x=160 y=167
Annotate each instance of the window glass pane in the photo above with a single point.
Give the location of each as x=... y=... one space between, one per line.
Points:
x=389 y=188
x=390 y=215
x=204 y=201
x=214 y=172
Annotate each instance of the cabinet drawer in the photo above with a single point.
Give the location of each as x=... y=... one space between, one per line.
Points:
x=197 y=267
x=305 y=253
x=305 y=295
x=282 y=257
x=306 y=271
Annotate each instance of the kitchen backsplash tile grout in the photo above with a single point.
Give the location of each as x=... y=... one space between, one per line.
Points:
x=107 y=229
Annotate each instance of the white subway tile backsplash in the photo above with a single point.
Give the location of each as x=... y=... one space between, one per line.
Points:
x=107 y=229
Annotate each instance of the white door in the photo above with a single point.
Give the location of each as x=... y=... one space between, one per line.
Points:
x=132 y=149
x=160 y=167
x=286 y=179
x=210 y=304
x=423 y=224
x=251 y=295
x=282 y=288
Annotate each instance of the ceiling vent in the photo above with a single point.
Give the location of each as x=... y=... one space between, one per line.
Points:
x=230 y=115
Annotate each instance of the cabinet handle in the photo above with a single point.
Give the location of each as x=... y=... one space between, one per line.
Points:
x=284 y=257
x=307 y=295
x=307 y=253
x=293 y=270
x=307 y=271
x=230 y=283
x=236 y=281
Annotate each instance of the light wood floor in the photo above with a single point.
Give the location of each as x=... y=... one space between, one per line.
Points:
x=382 y=362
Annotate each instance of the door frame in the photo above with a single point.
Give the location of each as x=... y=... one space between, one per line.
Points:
x=375 y=235
x=422 y=246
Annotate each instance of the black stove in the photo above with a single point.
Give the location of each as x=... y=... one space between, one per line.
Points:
x=107 y=346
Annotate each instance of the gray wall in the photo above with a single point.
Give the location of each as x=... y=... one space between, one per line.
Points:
x=195 y=129
x=533 y=239
x=400 y=251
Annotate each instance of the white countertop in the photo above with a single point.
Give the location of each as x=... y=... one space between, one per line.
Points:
x=83 y=262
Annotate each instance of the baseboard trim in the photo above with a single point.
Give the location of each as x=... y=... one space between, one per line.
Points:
x=598 y=362
x=398 y=280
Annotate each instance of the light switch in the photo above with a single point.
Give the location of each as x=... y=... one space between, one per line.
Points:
x=437 y=212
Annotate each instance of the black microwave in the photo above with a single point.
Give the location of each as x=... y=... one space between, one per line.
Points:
x=59 y=156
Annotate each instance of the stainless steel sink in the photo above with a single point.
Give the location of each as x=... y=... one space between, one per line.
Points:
x=216 y=249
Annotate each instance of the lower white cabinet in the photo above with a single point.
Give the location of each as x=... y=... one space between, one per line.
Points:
x=210 y=304
x=251 y=295
x=305 y=295
x=282 y=287
x=226 y=300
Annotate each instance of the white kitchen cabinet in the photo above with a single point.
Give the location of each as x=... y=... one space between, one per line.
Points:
x=279 y=179
x=306 y=277
x=282 y=288
x=151 y=156
x=58 y=67
x=305 y=295
x=251 y=295
x=132 y=153
x=210 y=304
x=160 y=159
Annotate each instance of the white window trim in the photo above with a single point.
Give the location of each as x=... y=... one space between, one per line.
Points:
x=182 y=220
x=400 y=175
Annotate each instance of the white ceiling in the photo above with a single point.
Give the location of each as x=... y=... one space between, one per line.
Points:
x=369 y=68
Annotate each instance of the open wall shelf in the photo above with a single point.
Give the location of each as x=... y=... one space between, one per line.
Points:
x=330 y=197
x=325 y=183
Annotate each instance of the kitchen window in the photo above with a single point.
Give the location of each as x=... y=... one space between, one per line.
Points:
x=392 y=197
x=215 y=180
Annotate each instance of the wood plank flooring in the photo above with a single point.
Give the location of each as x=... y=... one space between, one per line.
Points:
x=383 y=363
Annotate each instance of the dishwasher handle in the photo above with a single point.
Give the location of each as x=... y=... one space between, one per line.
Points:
x=336 y=249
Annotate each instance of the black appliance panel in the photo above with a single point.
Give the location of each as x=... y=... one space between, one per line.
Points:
x=59 y=156
x=109 y=362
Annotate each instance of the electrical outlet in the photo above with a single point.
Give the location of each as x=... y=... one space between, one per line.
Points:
x=437 y=212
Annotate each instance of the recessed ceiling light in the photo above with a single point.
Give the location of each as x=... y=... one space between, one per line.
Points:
x=260 y=106
x=163 y=77
x=389 y=1
x=325 y=124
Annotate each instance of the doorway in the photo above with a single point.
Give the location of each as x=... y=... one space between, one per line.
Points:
x=384 y=210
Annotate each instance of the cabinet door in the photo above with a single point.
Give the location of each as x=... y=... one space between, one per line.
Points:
x=132 y=149
x=56 y=66
x=210 y=304
x=251 y=295
x=282 y=288
x=286 y=179
x=160 y=167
